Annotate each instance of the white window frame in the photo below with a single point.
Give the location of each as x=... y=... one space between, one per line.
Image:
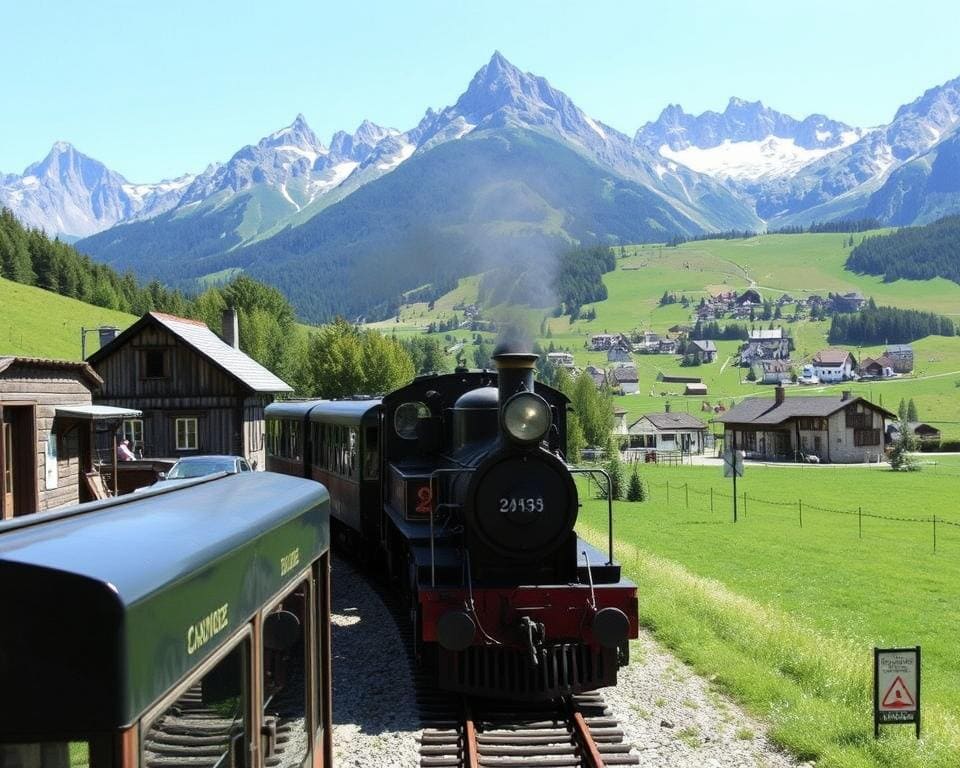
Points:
x=131 y=434
x=185 y=446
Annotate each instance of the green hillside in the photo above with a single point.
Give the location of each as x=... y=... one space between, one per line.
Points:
x=502 y=197
x=774 y=264
x=38 y=323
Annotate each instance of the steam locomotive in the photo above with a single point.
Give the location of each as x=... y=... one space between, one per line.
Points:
x=457 y=484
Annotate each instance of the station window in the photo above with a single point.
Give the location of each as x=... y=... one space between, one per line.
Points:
x=155 y=364
x=187 y=434
x=209 y=723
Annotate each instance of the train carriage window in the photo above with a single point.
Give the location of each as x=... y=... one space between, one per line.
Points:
x=272 y=427
x=314 y=443
x=406 y=418
x=47 y=754
x=207 y=725
x=296 y=449
x=371 y=454
x=352 y=468
x=286 y=680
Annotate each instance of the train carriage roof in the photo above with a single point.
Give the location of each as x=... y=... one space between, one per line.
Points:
x=106 y=605
x=331 y=411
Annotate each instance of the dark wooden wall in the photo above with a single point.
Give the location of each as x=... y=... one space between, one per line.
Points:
x=229 y=417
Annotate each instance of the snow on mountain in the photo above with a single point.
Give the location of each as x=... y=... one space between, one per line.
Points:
x=285 y=155
x=753 y=160
x=72 y=195
x=747 y=141
x=842 y=182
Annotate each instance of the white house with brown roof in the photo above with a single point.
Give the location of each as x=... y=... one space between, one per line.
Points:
x=832 y=365
x=844 y=429
x=668 y=432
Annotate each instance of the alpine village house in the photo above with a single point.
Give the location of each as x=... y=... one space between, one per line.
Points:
x=198 y=393
x=48 y=425
x=840 y=429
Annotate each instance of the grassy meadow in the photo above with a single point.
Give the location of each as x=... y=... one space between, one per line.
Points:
x=774 y=264
x=38 y=323
x=785 y=617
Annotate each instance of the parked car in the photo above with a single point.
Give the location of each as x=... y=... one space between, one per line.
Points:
x=198 y=466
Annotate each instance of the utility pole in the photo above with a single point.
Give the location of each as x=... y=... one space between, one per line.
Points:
x=734 y=452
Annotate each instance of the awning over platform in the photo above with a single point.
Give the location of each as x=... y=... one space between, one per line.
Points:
x=96 y=412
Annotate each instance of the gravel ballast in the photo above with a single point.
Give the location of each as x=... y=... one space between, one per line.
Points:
x=672 y=717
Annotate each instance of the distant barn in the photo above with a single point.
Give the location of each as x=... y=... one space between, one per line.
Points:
x=198 y=393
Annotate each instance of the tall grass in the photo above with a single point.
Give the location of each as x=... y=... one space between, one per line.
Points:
x=813 y=688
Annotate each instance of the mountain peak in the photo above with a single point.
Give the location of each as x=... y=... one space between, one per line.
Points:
x=298 y=134
x=61 y=147
x=737 y=103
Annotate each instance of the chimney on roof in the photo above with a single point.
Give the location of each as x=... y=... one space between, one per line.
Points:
x=231 y=328
x=779 y=394
x=846 y=395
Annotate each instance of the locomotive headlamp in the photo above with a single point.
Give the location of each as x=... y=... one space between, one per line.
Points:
x=526 y=418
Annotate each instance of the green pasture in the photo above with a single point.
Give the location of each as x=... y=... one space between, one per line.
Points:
x=783 y=616
x=38 y=323
x=796 y=264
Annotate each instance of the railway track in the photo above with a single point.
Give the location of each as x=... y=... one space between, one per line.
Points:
x=573 y=732
x=465 y=732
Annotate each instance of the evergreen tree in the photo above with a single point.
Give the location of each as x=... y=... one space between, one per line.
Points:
x=636 y=491
x=614 y=467
x=912 y=411
x=901 y=458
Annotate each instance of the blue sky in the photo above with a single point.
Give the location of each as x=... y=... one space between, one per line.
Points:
x=158 y=89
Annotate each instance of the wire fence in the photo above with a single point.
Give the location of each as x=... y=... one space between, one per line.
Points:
x=675 y=495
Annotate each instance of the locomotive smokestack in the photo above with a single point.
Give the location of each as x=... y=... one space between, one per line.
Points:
x=514 y=372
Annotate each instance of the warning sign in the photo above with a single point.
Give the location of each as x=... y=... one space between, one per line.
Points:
x=896 y=686
x=897 y=696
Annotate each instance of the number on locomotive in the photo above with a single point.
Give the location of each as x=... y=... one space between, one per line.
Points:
x=514 y=504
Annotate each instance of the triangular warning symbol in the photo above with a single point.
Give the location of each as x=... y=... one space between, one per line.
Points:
x=897 y=695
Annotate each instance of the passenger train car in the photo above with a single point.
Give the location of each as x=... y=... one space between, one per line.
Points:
x=184 y=626
x=458 y=483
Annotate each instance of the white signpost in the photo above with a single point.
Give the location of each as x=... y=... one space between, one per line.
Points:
x=732 y=463
x=896 y=687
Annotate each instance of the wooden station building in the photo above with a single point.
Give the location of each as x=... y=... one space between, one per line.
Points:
x=48 y=425
x=198 y=393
